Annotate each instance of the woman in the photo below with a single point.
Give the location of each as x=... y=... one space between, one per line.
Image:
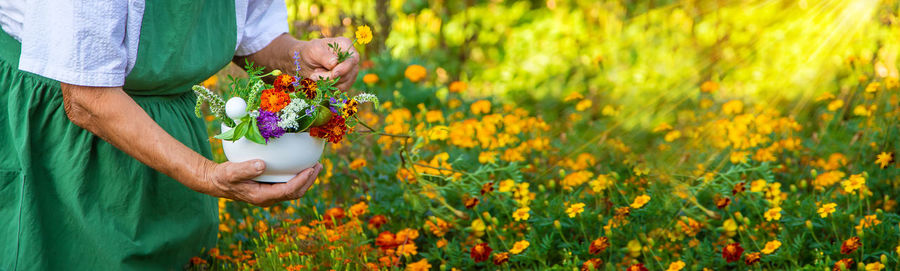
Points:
x=101 y=158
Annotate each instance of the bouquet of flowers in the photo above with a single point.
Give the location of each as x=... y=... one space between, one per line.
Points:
x=284 y=123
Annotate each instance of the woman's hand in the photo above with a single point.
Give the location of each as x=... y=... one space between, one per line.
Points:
x=317 y=59
x=233 y=181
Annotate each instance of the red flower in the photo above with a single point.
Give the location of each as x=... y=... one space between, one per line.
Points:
x=732 y=252
x=751 y=258
x=481 y=252
x=843 y=265
x=637 y=267
x=501 y=258
x=592 y=264
x=332 y=131
x=850 y=245
x=377 y=221
x=598 y=245
x=309 y=87
x=285 y=83
x=273 y=100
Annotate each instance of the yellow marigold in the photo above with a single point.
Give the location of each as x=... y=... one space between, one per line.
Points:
x=872 y=87
x=519 y=246
x=478 y=227
x=738 y=157
x=506 y=185
x=773 y=214
x=709 y=87
x=758 y=185
x=575 y=209
x=640 y=201
x=357 y=163
x=733 y=107
x=884 y=159
x=434 y=116
x=370 y=79
x=407 y=249
x=771 y=246
x=576 y=178
x=876 y=266
x=583 y=105
x=600 y=183
x=210 y=82
x=730 y=227
x=363 y=35
x=487 y=157
x=868 y=222
x=481 y=107
x=573 y=96
x=521 y=214
x=634 y=247
x=676 y=266
x=826 y=209
x=835 y=105
x=439 y=132
x=458 y=87
x=421 y=265
x=855 y=182
x=415 y=73
x=672 y=135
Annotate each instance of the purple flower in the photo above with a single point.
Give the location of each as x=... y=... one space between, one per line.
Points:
x=333 y=100
x=310 y=110
x=297 y=61
x=268 y=125
x=333 y=110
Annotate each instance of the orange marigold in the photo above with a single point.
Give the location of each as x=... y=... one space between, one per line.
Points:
x=332 y=131
x=480 y=252
x=598 y=245
x=751 y=258
x=309 y=88
x=850 y=245
x=377 y=220
x=843 y=265
x=471 y=202
x=501 y=258
x=415 y=73
x=285 y=82
x=337 y=213
x=592 y=264
x=637 y=267
x=274 y=100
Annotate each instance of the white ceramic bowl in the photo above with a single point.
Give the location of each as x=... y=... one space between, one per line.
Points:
x=284 y=156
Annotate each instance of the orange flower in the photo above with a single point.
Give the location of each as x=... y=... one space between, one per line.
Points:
x=197 y=261
x=407 y=249
x=501 y=258
x=350 y=108
x=370 y=79
x=332 y=131
x=336 y=213
x=471 y=202
x=751 y=258
x=285 y=83
x=458 y=86
x=732 y=252
x=359 y=209
x=389 y=261
x=385 y=240
x=377 y=221
x=843 y=265
x=721 y=203
x=850 y=245
x=592 y=264
x=487 y=188
x=421 y=265
x=637 y=267
x=599 y=245
x=738 y=188
x=273 y=100
x=415 y=73
x=406 y=236
x=309 y=87
x=480 y=252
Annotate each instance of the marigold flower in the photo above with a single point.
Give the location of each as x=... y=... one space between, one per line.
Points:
x=771 y=246
x=407 y=235
x=332 y=131
x=826 y=209
x=575 y=209
x=480 y=252
x=773 y=214
x=583 y=105
x=592 y=264
x=481 y=107
x=501 y=258
x=370 y=79
x=471 y=202
x=285 y=83
x=458 y=87
x=843 y=265
x=521 y=214
x=309 y=87
x=487 y=188
x=598 y=245
x=732 y=252
x=407 y=249
x=751 y=258
x=640 y=201
x=363 y=34
x=350 y=108
x=850 y=245
x=519 y=246
x=853 y=183
x=709 y=87
x=637 y=267
x=835 y=105
x=335 y=213
x=385 y=240
x=867 y=222
x=273 y=100
x=676 y=266
x=723 y=202
x=377 y=220
x=733 y=107
x=738 y=188
x=876 y=266
x=421 y=265
x=357 y=163
x=884 y=159
x=415 y=73
x=359 y=209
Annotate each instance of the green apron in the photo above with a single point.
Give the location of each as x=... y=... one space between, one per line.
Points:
x=71 y=201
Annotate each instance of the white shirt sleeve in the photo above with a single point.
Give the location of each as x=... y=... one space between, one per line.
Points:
x=264 y=21
x=76 y=42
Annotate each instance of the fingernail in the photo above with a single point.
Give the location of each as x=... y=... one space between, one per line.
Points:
x=259 y=165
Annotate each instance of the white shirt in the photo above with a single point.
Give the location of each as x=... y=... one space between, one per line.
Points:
x=95 y=43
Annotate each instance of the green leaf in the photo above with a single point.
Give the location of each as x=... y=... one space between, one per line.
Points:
x=304 y=123
x=234 y=134
x=228 y=135
x=254 y=135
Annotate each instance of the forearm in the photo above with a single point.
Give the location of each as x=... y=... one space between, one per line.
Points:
x=113 y=116
x=274 y=55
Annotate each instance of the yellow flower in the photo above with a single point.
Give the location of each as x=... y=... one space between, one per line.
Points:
x=640 y=201
x=481 y=107
x=634 y=247
x=608 y=110
x=478 y=227
x=771 y=246
x=506 y=185
x=487 y=157
x=210 y=82
x=872 y=87
x=575 y=209
x=733 y=107
x=458 y=87
x=363 y=35
x=853 y=183
x=434 y=116
x=676 y=266
x=415 y=73
x=672 y=135
x=519 y=246
x=583 y=104
x=573 y=96
x=758 y=185
x=773 y=214
x=868 y=222
x=421 y=265
x=835 y=105
x=884 y=159
x=876 y=266
x=826 y=209
x=730 y=227
x=521 y=214
x=709 y=87
x=358 y=163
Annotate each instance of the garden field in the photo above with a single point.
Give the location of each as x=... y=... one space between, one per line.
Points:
x=597 y=135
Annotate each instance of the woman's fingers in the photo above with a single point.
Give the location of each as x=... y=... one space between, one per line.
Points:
x=247 y=170
x=267 y=194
